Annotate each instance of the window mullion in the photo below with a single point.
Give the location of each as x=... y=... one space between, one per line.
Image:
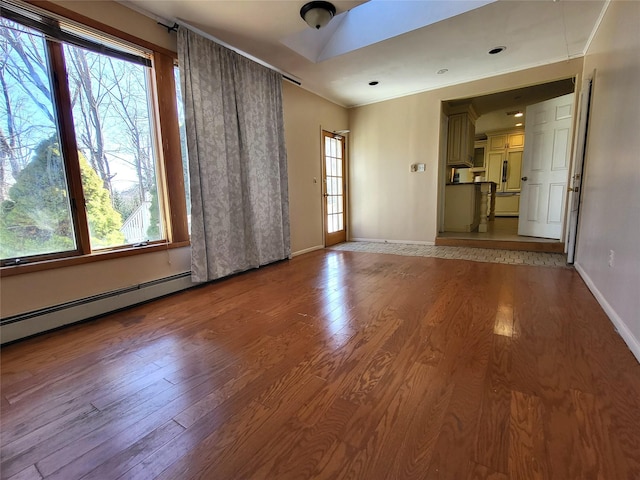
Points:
x=170 y=135
x=69 y=145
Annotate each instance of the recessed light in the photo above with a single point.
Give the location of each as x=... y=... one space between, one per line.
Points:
x=519 y=114
x=374 y=83
x=442 y=71
x=496 y=50
x=518 y=124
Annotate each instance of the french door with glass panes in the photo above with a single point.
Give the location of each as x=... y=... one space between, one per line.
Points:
x=334 y=182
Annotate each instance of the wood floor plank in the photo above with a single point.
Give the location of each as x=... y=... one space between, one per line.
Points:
x=527 y=451
x=416 y=450
x=459 y=426
x=392 y=428
x=29 y=473
x=480 y=472
x=492 y=441
x=598 y=450
x=119 y=450
x=129 y=455
x=328 y=366
x=30 y=448
x=245 y=432
x=342 y=367
x=301 y=451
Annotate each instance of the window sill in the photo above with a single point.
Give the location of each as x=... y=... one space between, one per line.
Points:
x=92 y=257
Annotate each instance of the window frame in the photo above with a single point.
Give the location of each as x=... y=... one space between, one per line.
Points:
x=170 y=180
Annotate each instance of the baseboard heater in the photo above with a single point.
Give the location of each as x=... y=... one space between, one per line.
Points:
x=43 y=320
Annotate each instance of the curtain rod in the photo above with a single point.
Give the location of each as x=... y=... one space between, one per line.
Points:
x=178 y=23
x=174 y=28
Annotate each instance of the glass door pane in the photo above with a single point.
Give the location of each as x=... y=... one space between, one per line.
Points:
x=334 y=189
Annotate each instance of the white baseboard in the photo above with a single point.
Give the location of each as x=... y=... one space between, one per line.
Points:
x=632 y=342
x=307 y=250
x=26 y=325
x=382 y=240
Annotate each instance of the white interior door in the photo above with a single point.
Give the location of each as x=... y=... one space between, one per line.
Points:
x=545 y=167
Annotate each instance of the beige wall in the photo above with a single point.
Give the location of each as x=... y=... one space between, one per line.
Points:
x=305 y=116
x=388 y=202
x=610 y=213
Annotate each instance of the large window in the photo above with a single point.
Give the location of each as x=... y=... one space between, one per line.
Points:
x=79 y=157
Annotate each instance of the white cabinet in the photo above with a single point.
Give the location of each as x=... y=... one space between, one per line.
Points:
x=461 y=207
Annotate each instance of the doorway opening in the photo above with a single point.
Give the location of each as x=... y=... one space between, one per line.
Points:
x=505 y=142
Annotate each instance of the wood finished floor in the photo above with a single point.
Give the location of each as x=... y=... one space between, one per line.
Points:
x=334 y=365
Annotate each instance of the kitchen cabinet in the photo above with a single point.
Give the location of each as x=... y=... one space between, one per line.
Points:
x=502 y=141
x=479 y=149
x=461 y=207
x=460 y=137
x=504 y=166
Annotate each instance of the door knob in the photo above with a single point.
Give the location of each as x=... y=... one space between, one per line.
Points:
x=524 y=179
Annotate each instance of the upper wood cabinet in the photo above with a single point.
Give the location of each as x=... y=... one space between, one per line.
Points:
x=460 y=139
x=502 y=141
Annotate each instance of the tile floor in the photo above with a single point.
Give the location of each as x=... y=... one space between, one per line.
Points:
x=461 y=253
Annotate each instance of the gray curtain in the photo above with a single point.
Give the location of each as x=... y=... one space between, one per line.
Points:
x=237 y=159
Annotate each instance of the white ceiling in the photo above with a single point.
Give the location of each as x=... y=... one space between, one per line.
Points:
x=535 y=32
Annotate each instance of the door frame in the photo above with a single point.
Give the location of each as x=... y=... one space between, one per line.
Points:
x=345 y=182
x=584 y=103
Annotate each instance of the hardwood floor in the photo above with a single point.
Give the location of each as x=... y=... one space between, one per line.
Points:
x=334 y=365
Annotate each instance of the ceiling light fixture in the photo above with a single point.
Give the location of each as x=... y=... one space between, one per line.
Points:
x=374 y=83
x=442 y=71
x=518 y=124
x=518 y=115
x=496 y=50
x=317 y=14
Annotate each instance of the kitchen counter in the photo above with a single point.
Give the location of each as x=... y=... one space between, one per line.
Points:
x=471 y=183
x=461 y=207
x=467 y=206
